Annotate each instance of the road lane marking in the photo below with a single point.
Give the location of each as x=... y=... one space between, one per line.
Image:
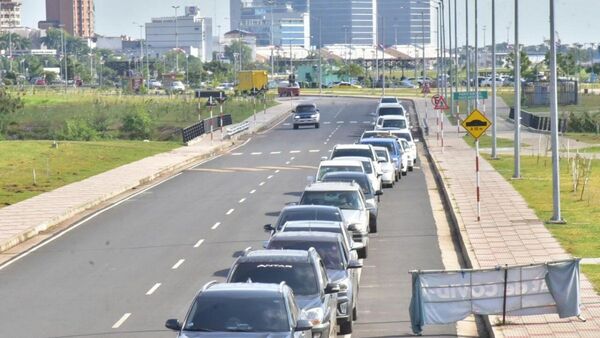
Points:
x=178 y=264
x=340 y=122
x=353 y=122
x=327 y=122
x=256 y=153
x=324 y=142
x=121 y=321
x=275 y=152
x=252 y=191
x=237 y=154
x=243 y=169
x=292 y=158
x=229 y=211
x=288 y=162
x=215 y=226
x=277 y=171
x=294 y=151
x=287 y=124
x=305 y=167
x=261 y=183
x=199 y=243
x=314 y=150
x=152 y=289
x=269 y=177
x=209 y=170
x=367 y=122
x=242 y=200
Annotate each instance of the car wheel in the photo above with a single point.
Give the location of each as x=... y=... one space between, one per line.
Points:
x=354 y=314
x=400 y=175
x=317 y=125
x=362 y=253
x=404 y=173
x=396 y=177
x=346 y=326
x=410 y=168
x=373 y=225
x=295 y=126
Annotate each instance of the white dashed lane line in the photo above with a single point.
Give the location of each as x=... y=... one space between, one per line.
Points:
x=237 y=154
x=230 y=211
x=294 y=151
x=178 y=264
x=288 y=162
x=242 y=200
x=197 y=245
x=275 y=152
x=256 y=153
x=314 y=151
x=270 y=177
x=252 y=191
x=216 y=225
x=261 y=183
x=327 y=122
x=277 y=171
x=152 y=289
x=121 y=321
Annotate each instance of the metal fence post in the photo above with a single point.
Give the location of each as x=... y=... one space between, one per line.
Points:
x=504 y=299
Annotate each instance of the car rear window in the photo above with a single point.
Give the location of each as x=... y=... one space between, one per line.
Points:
x=299 y=276
x=364 y=182
x=341 y=199
x=400 y=124
x=391 y=111
x=330 y=252
x=388 y=100
x=317 y=214
x=336 y=168
x=405 y=136
x=352 y=152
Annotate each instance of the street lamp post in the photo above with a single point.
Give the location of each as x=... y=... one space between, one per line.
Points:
x=517 y=115
x=494 y=91
x=451 y=76
x=467 y=53
x=476 y=55
x=176 y=40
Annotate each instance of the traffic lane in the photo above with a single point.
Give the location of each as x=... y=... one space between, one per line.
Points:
x=406 y=240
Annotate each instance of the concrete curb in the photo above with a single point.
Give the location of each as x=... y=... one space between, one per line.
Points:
x=224 y=146
x=457 y=225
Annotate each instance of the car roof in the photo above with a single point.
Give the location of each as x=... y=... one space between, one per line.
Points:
x=245 y=287
x=341 y=162
x=270 y=256
x=349 y=174
x=332 y=186
x=351 y=146
x=352 y=158
x=310 y=207
x=378 y=139
x=310 y=104
x=389 y=104
x=309 y=236
x=393 y=117
x=320 y=224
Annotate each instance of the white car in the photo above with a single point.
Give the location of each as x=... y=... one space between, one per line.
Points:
x=329 y=166
x=360 y=150
x=176 y=87
x=398 y=133
x=489 y=81
x=385 y=161
x=409 y=154
x=370 y=170
x=389 y=122
x=389 y=99
x=154 y=84
x=390 y=109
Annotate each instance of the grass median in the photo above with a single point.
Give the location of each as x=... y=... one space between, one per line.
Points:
x=581 y=235
x=69 y=162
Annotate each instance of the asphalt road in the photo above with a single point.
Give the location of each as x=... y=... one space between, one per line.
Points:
x=125 y=271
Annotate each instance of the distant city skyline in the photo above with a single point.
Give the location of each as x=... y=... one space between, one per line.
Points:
x=576 y=19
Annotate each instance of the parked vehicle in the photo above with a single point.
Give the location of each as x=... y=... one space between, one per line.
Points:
x=359 y=150
x=306 y=213
x=325 y=226
x=306 y=114
x=155 y=84
x=304 y=272
x=394 y=150
x=338 y=165
x=369 y=168
x=252 y=81
x=388 y=177
x=390 y=109
x=242 y=310
x=176 y=87
x=388 y=122
x=389 y=99
x=340 y=268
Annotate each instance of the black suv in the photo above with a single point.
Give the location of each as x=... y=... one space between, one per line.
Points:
x=304 y=272
x=336 y=258
x=242 y=310
x=306 y=114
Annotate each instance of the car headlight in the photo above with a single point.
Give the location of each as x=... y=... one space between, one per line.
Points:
x=296 y=117
x=313 y=115
x=315 y=316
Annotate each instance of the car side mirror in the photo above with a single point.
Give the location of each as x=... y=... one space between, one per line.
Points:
x=379 y=193
x=173 y=324
x=354 y=264
x=416 y=141
x=268 y=228
x=317 y=110
x=332 y=288
x=303 y=325
x=357 y=246
x=293 y=112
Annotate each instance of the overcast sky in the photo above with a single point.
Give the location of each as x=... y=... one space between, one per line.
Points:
x=577 y=20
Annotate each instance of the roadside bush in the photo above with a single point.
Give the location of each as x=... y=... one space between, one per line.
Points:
x=77 y=130
x=583 y=122
x=137 y=125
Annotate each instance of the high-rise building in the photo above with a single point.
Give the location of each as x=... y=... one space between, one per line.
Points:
x=10 y=13
x=343 y=22
x=404 y=22
x=190 y=32
x=76 y=16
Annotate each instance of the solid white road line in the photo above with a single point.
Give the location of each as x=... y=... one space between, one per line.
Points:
x=178 y=264
x=242 y=200
x=152 y=289
x=121 y=321
x=215 y=226
x=252 y=191
x=275 y=152
x=229 y=211
x=261 y=183
x=199 y=243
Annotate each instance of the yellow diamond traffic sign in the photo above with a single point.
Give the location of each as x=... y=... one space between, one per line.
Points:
x=476 y=123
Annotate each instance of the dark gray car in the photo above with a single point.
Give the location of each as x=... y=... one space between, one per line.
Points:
x=336 y=258
x=306 y=213
x=242 y=310
x=304 y=272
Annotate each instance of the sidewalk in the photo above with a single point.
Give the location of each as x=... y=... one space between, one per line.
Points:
x=509 y=231
x=26 y=219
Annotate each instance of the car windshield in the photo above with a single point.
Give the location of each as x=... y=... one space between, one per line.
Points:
x=299 y=276
x=367 y=167
x=335 y=168
x=317 y=214
x=400 y=124
x=341 y=199
x=383 y=153
x=242 y=313
x=305 y=109
x=329 y=251
x=359 y=152
x=390 y=111
x=364 y=183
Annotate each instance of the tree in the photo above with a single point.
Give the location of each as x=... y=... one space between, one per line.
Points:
x=234 y=49
x=8 y=105
x=526 y=71
x=350 y=70
x=565 y=63
x=18 y=42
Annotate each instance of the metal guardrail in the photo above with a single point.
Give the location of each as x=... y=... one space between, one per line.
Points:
x=237 y=128
x=536 y=122
x=205 y=126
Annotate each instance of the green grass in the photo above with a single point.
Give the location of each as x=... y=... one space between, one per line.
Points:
x=485 y=141
x=595 y=149
x=587 y=103
x=70 y=162
x=581 y=235
x=592 y=272
x=585 y=137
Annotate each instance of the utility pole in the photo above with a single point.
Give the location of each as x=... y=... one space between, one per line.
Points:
x=423 y=36
x=320 y=60
x=383 y=55
x=494 y=89
x=476 y=56
x=271 y=3
x=176 y=41
x=468 y=53
x=517 y=115
x=556 y=215
x=456 y=48
x=64 y=50
x=451 y=76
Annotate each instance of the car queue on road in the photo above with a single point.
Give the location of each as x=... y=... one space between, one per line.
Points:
x=305 y=281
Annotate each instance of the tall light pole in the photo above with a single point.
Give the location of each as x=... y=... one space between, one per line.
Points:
x=517 y=115
x=467 y=53
x=476 y=55
x=382 y=55
x=64 y=51
x=451 y=76
x=141 y=46
x=494 y=91
x=176 y=40
x=423 y=36
x=271 y=4
x=556 y=215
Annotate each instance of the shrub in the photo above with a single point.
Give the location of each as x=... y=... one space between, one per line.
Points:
x=137 y=125
x=77 y=130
